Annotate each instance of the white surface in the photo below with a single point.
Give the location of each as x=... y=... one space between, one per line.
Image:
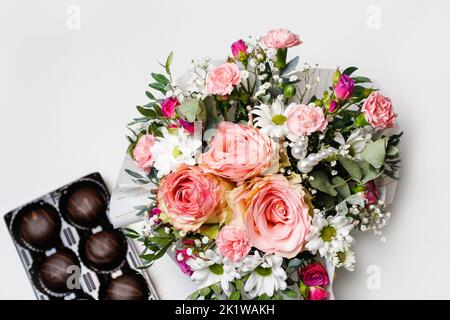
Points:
x=66 y=96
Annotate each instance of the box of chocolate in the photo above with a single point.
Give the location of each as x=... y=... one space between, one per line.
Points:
x=70 y=249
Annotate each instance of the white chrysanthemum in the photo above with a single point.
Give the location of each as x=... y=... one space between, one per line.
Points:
x=173 y=149
x=267 y=276
x=344 y=258
x=214 y=269
x=272 y=120
x=329 y=234
x=356 y=142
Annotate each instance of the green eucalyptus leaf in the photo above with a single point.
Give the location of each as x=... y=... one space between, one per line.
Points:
x=375 y=153
x=341 y=187
x=150 y=95
x=392 y=151
x=192 y=109
x=321 y=182
x=369 y=172
x=351 y=166
x=147 y=112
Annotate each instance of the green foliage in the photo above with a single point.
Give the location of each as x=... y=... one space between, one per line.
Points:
x=321 y=182
x=375 y=153
x=192 y=109
x=351 y=166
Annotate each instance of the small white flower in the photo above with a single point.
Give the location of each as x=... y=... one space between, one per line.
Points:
x=344 y=258
x=205 y=240
x=263 y=77
x=293 y=78
x=213 y=268
x=189 y=251
x=267 y=275
x=173 y=149
x=262 y=67
x=356 y=142
x=167 y=230
x=244 y=74
x=331 y=233
x=180 y=257
x=272 y=120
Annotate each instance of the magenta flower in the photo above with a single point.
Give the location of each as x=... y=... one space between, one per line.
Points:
x=182 y=257
x=344 y=88
x=239 y=50
x=188 y=126
x=168 y=107
x=314 y=274
x=333 y=106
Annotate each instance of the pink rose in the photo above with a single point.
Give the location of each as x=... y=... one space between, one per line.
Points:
x=168 y=107
x=142 y=153
x=378 y=111
x=333 y=106
x=317 y=293
x=314 y=274
x=281 y=38
x=237 y=152
x=221 y=79
x=275 y=214
x=306 y=119
x=189 y=197
x=344 y=88
x=233 y=243
x=239 y=50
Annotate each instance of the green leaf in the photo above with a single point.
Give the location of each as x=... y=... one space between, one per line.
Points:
x=134 y=174
x=160 y=78
x=369 y=173
x=354 y=199
x=204 y=291
x=236 y=295
x=263 y=297
x=147 y=112
x=321 y=182
x=211 y=231
x=130 y=233
x=375 y=153
x=351 y=166
x=361 y=80
x=194 y=295
x=392 y=151
x=360 y=121
x=158 y=86
x=169 y=62
x=290 y=293
x=363 y=92
x=341 y=187
x=192 y=109
x=349 y=70
x=304 y=290
x=150 y=95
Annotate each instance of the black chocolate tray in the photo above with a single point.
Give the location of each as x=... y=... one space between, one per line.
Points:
x=71 y=251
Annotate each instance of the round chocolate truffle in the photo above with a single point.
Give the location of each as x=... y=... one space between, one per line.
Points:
x=39 y=226
x=128 y=286
x=54 y=271
x=105 y=250
x=84 y=204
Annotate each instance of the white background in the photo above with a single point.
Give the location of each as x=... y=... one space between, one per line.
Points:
x=66 y=95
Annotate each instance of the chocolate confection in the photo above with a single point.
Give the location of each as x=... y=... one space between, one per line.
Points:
x=128 y=286
x=54 y=271
x=84 y=205
x=105 y=250
x=39 y=226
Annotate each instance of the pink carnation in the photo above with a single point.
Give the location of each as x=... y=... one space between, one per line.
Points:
x=306 y=119
x=378 y=111
x=233 y=243
x=281 y=38
x=142 y=153
x=223 y=78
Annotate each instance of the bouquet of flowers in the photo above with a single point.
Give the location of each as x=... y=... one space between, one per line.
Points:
x=259 y=184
